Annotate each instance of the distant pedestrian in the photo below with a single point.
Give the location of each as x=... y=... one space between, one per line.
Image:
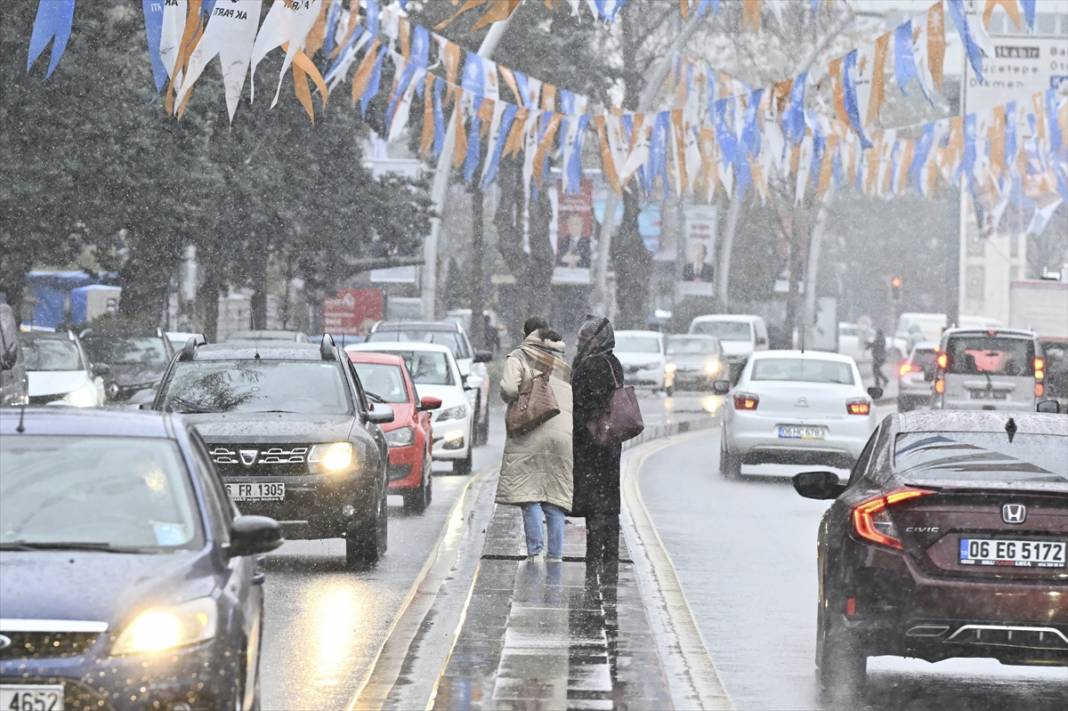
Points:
x=536 y=471
x=878 y=357
x=594 y=375
x=491 y=338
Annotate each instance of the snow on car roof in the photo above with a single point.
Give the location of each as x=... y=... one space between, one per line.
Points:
x=813 y=355
x=399 y=346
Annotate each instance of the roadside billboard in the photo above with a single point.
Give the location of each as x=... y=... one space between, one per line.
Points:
x=352 y=312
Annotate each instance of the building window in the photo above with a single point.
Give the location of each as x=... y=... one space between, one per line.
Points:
x=1045 y=23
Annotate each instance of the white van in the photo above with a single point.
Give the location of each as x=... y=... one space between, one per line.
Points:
x=739 y=334
x=992 y=369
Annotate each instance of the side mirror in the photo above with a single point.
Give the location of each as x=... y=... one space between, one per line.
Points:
x=430 y=403
x=8 y=358
x=380 y=414
x=818 y=485
x=254 y=535
x=875 y=393
x=721 y=387
x=100 y=369
x=762 y=341
x=483 y=356
x=1050 y=406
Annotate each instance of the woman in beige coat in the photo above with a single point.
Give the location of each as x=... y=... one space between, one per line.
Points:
x=536 y=471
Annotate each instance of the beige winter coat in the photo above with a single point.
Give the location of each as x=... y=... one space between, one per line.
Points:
x=537 y=464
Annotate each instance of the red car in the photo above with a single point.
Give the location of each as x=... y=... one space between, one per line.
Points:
x=386 y=379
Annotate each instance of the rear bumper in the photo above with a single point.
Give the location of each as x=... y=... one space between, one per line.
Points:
x=656 y=376
x=755 y=438
x=955 y=403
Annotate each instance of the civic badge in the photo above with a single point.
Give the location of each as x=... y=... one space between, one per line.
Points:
x=248 y=456
x=1014 y=513
x=5 y=642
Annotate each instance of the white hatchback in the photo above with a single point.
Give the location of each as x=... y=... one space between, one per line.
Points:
x=435 y=373
x=644 y=359
x=794 y=407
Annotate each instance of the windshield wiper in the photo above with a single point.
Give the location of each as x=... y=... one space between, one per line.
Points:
x=65 y=546
x=374 y=397
x=284 y=412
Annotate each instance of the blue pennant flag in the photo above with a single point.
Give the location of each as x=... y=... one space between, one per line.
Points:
x=711 y=96
x=919 y=157
x=1029 y=14
x=474 y=77
x=574 y=161
x=975 y=55
x=836 y=168
x=418 y=58
x=815 y=5
x=507 y=117
x=567 y=108
x=849 y=81
x=728 y=144
x=205 y=10
x=53 y=22
x=819 y=144
x=751 y=127
x=904 y=60
x=967 y=162
x=793 y=120
x=706 y=5
x=332 y=18
x=1010 y=134
x=343 y=54
x=1062 y=182
x=374 y=22
x=371 y=90
x=153 y=12
x=474 y=145
x=657 y=151
x=439 y=116
x=1055 y=138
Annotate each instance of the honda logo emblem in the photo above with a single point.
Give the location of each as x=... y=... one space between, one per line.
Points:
x=1013 y=513
x=248 y=456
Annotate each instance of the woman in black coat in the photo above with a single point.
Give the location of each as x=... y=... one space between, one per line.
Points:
x=595 y=374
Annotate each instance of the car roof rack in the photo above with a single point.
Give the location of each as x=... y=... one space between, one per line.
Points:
x=189 y=349
x=327 y=346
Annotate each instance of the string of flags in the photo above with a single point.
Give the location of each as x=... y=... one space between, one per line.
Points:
x=817 y=130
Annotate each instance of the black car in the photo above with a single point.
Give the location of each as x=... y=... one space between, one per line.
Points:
x=134 y=362
x=127 y=579
x=948 y=541
x=293 y=435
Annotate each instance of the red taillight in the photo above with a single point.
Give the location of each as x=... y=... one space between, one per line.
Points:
x=858 y=407
x=906 y=367
x=851 y=606
x=1040 y=389
x=746 y=401
x=873 y=524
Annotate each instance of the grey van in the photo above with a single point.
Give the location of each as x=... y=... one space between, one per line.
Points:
x=989 y=369
x=14 y=383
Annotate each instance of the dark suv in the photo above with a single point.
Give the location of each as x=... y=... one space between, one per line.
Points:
x=292 y=434
x=134 y=360
x=948 y=541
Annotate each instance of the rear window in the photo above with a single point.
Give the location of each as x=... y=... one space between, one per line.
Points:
x=637 y=344
x=993 y=355
x=310 y=387
x=116 y=350
x=805 y=370
x=724 y=330
x=453 y=340
x=691 y=346
x=981 y=456
x=426 y=367
x=923 y=358
x=382 y=380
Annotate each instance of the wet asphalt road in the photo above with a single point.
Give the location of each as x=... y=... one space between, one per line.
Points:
x=324 y=625
x=745 y=552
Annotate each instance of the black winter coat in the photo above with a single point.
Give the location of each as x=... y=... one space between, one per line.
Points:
x=596 y=471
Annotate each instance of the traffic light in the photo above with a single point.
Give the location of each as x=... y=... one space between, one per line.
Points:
x=895 y=288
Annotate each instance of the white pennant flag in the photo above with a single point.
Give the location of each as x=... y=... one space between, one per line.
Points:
x=494 y=138
x=170 y=38
x=340 y=71
x=286 y=23
x=613 y=128
x=640 y=155
x=804 y=164
x=230 y=33
x=530 y=147
x=404 y=105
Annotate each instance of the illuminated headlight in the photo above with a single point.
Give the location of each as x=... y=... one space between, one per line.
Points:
x=332 y=458
x=159 y=629
x=712 y=366
x=401 y=437
x=82 y=396
x=458 y=412
x=670 y=368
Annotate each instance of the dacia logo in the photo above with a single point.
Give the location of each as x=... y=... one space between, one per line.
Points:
x=5 y=641
x=248 y=456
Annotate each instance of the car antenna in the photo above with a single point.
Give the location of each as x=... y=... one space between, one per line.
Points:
x=1010 y=428
x=22 y=416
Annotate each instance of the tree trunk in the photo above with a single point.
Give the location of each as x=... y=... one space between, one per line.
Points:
x=209 y=306
x=634 y=267
x=258 y=281
x=477 y=268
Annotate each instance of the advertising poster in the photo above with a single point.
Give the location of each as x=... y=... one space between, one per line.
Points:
x=699 y=232
x=351 y=312
x=574 y=234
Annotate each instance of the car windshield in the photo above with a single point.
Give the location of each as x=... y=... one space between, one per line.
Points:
x=847 y=330
x=117 y=350
x=309 y=387
x=453 y=340
x=804 y=370
x=51 y=354
x=427 y=367
x=637 y=344
x=992 y=355
x=691 y=346
x=923 y=358
x=724 y=330
x=121 y=492
x=382 y=380
x=982 y=456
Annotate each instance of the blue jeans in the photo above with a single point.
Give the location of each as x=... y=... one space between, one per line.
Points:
x=533 y=515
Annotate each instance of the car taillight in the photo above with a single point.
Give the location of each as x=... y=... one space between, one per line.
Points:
x=906 y=367
x=1040 y=368
x=1040 y=389
x=858 y=407
x=943 y=361
x=940 y=386
x=871 y=520
x=745 y=401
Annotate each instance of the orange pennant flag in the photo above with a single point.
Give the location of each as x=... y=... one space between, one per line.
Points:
x=906 y=161
x=936 y=42
x=706 y=143
x=468 y=5
x=1011 y=7
x=499 y=10
x=485 y=116
x=751 y=14
x=838 y=88
x=1040 y=117
x=878 y=78
x=680 y=151
x=354 y=21
x=363 y=72
x=548 y=97
x=317 y=34
x=460 y=149
x=608 y=165
x=190 y=37
x=996 y=135
x=509 y=79
x=827 y=165
x=515 y=137
x=544 y=146
x=303 y=70
x=684 y=8
x=426 y=136
x=451 y=60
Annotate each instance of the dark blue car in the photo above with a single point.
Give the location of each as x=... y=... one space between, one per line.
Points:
x=127 y=578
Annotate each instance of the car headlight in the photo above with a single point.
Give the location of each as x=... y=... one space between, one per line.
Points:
x=670 y=368
x=82 y=396
x=400 y=437
x=712 y=366
x=332 y=458
x=159 y=629
x=458 y=412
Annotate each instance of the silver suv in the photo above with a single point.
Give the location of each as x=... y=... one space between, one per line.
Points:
x=989 y=369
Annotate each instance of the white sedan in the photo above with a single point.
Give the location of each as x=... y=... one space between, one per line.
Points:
x=794 y=407
x=435 y=373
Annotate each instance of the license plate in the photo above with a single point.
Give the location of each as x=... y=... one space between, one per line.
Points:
x=1013 y=553
x=31 y=698
x=253 y=491
x=801 y=432
x=988 y=395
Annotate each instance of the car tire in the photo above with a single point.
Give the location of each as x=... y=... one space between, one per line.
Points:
x=730 y=466
x=483 y=422
x=368 y=539
x=417 y=501
x=669 y=390
x=463 y=466
x=841 y=670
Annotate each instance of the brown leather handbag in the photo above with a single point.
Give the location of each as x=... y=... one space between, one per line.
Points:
x=621 y=421
x=535 y=405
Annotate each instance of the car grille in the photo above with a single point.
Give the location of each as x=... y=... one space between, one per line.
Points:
x=44 y=645
x=275 y=454
x=45 y=399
